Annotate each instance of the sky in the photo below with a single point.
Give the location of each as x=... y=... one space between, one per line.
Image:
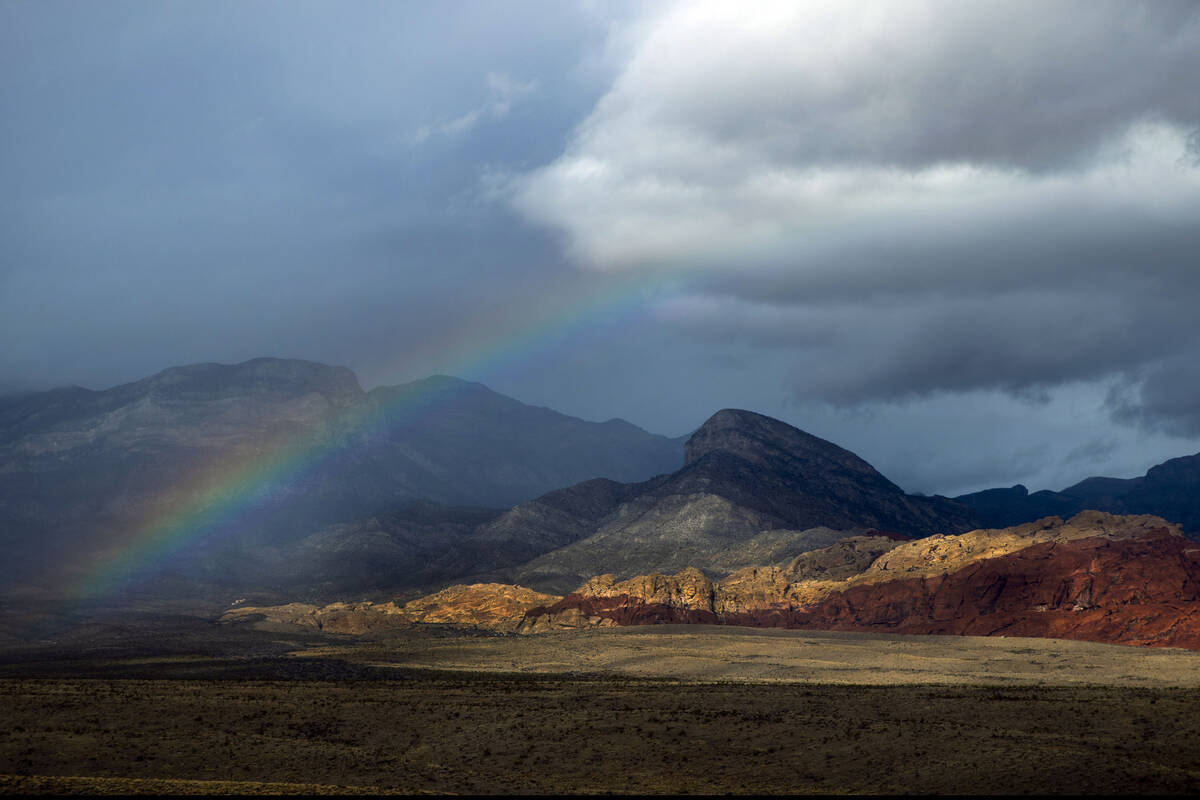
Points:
x=959 y=239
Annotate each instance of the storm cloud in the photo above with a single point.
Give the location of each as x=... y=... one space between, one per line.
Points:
x=910 y=198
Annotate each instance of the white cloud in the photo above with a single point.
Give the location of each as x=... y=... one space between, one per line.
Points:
x=738 y=134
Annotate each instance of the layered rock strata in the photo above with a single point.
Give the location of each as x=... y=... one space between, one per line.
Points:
x=1128 y=580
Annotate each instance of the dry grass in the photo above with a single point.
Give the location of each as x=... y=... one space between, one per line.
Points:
x=213 y=710
x=483 y=734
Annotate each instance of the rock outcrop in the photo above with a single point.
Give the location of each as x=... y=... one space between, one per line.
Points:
x=492 y=606
x=1142 y=591
x=1128 y=580
x=358 y=617
x=843 y=559
x=349 y=618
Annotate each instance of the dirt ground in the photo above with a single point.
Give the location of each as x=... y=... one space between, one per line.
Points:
x=211 y=710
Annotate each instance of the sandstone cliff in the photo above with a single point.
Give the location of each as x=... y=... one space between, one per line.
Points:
x=494 y=606
x=1131 y=580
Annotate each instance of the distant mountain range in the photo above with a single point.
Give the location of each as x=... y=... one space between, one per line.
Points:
x=1170 y=490
x=281 y=448
x=285 y=476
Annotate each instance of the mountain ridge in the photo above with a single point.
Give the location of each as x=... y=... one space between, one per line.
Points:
x=1170 y=489
x=720 y=510
x=737 y=485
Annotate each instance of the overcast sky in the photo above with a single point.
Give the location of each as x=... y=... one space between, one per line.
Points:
x=960 y=239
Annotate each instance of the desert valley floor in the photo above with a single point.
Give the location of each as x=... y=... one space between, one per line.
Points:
x=191 y=706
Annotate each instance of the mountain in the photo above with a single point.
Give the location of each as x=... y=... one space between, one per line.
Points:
x=752 y=490
x=285 y=476
x=268 y=451
x=419 y=544
x=461 y=443
x=1170 y=490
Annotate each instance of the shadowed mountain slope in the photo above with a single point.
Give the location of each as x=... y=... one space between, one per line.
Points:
x=772 y=467
x=752 y=490
x=751 y=487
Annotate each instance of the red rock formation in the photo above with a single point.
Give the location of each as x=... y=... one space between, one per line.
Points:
x=1129 y=583
x=1132 y=591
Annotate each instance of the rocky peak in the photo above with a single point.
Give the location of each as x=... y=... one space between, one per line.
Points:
x=768 y=442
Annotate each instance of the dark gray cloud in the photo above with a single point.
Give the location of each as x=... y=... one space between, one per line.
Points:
x=1012 y=329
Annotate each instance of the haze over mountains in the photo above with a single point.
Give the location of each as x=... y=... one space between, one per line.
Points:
x=295 y=444
x=324 y=490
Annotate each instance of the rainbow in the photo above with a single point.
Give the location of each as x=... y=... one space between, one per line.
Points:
x=221 y=495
